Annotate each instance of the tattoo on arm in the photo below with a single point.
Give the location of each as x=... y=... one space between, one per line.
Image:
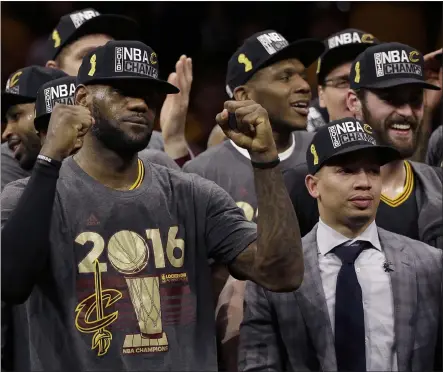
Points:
x=275 y=260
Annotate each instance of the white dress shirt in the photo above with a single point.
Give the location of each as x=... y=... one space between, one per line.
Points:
x=282 y=156
x=378 y=303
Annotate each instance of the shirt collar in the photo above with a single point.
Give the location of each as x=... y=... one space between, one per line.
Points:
x=282 y=156
x=328 y=238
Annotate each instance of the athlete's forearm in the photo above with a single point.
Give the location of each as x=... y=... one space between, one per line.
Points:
x=25 y=236
x=279 y=255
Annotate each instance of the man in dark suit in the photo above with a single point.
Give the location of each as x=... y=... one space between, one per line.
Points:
x=370 y=299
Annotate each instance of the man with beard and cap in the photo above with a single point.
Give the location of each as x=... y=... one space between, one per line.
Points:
x=80 y=32
x=370 y=299
x=333 y=69
x=22 y=145
x=103 y=292
x=387 y=90
x=58 y=91
x=272 y=72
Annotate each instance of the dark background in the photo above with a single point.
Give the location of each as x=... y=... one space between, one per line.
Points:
x=210 y=32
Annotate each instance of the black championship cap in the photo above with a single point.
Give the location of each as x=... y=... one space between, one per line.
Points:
x=342 y=47
x=56 y=91
x=263 y=49
x=128 y=65
x=389 y=65
x=22 y=85
x=341 y=137
x=88 y=22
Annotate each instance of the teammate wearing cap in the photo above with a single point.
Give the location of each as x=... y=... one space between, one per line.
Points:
x=22 y=145
x=270 y=71
x=82 y=31
x=59 y=91
x=392 y=103
x=112 y=253
x=333 y=69
x=370 y=299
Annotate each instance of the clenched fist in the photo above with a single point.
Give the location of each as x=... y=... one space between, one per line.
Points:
x=253 y=131
x=67 y=127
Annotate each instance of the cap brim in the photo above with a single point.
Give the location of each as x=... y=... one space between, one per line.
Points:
x=9 y=100
x=400 y=81
x=116 y=26
x=137 y=84
x=307 y=51
x=385 y=154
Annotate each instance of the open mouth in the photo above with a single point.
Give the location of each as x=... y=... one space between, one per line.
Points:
x=301 y=107
x=401 y=129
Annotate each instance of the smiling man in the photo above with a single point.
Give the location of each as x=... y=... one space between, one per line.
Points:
x=272 y=72
x=22 y=144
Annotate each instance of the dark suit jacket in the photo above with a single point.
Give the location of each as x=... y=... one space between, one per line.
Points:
x=292 y=331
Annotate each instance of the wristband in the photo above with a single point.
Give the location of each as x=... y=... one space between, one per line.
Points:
x=55 y=163
x=267 y=165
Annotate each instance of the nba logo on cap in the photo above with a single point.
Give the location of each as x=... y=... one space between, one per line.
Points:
x=135 y=60
x=272 y=42
x=62 y=93
x=350 y=131
x=80 y=17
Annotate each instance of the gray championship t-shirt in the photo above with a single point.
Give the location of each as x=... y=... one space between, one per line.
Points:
x=230 y=169
x=11 y=169
x=128 y=286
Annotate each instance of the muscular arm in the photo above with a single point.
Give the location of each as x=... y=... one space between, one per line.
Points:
x=275 y=259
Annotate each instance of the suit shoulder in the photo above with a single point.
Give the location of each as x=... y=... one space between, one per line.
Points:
x=416 y=248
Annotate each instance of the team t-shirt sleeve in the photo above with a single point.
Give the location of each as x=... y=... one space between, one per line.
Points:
x=227 y=231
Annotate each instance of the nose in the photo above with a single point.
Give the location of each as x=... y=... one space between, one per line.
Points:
x=138 y=105
x=405 y=110
x=301 y=86
x=362 y=180
x=7 y=132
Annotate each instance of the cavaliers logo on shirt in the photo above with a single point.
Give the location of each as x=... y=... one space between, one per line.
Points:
x=133 y=287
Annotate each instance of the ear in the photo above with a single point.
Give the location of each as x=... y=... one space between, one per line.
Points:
x=321 y=97
x=82 y=96
x=51 y=64
x=311 y=183
x=241 y=93
x=354 y=104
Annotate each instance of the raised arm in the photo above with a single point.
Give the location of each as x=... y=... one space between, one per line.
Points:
x=275 y=259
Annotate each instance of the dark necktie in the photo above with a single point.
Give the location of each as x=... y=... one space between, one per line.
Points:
x=349 y=316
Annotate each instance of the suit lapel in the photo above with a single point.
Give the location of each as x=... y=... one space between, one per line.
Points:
x=312 y=304
x=404 y=290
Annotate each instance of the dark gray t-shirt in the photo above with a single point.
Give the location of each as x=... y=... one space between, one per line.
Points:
x=156 y=142
x=11 y=169
x=128 y=285
x=232 y=171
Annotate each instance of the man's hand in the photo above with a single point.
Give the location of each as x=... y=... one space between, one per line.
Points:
x=66 y=130
x=175 y=109
x=433 y=75
x=253 y=132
